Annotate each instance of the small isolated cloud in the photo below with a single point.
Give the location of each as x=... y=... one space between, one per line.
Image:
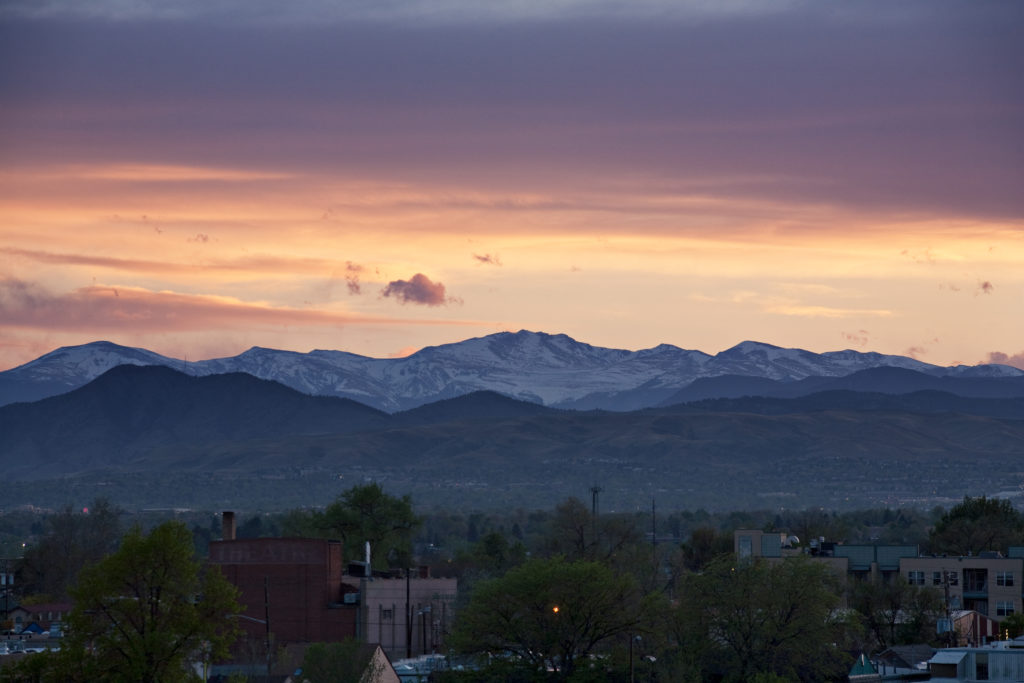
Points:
x=488 y=259
x=418 y=290
x=1016 y=360
x=200 y=237
x=352 y=271
x=985 y=287
x=859 y=338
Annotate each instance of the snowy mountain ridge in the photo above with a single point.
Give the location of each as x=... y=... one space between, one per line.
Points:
x=552 y=369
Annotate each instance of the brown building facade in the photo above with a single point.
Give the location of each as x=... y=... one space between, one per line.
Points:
x=290 y=587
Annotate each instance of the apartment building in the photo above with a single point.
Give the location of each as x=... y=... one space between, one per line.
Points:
x=987 y=583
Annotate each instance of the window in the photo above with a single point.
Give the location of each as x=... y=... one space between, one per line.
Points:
x=936 y=578
x=915 y=578
x=746 y=547
x=1004 y=578
x=1004 y=608
x=387 y=615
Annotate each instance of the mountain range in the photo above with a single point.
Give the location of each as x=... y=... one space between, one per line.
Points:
x=520 y=419
x=551 y=370
x=151 y=436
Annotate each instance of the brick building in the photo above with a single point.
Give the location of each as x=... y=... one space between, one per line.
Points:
x=296 y=591
x=291 y=587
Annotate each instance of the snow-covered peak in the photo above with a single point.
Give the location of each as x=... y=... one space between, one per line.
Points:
x=774 y=362
x=990 y=370
x=523 y=349
x=745 y=348
x=76 y=365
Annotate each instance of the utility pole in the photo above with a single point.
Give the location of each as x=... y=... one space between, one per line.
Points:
x=654 y=535
x=594 y=490
x=266 y=617
x=408 y=616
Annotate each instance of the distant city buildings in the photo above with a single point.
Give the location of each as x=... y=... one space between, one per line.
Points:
x=987 y=584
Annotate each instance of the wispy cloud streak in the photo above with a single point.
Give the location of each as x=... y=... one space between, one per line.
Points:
x=105 y=308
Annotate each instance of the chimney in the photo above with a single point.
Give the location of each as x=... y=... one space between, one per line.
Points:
x=228 y=526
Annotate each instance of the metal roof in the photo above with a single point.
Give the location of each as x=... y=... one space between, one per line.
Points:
x=945 y=657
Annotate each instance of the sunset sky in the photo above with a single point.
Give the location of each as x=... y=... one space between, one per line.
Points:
x=201 y=176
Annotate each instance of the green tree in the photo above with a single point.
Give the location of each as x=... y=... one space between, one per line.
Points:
x=895 y=612
x=72 y=541
x=977 y=524
x=1012 y=626
x=147 y=611
x=705 y=544
x=738 y=620
x=550 y=613
x=612 y=540
x=493 y=555
x=365 y=514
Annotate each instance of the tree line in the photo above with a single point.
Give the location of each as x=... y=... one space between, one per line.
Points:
x=545 y=595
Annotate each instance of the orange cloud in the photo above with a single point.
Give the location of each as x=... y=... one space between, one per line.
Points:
x=167 y=173
x=104 y=309
x=826 y=311
x=256 y=263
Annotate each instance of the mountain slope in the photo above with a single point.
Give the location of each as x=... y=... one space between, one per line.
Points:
x=144 y=425
x=131 y=410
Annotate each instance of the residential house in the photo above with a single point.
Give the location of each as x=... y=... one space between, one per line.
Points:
x=44 y=615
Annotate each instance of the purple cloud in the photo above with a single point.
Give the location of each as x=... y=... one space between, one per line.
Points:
x=417 y=290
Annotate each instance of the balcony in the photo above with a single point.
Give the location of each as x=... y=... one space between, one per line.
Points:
x=975 y=589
